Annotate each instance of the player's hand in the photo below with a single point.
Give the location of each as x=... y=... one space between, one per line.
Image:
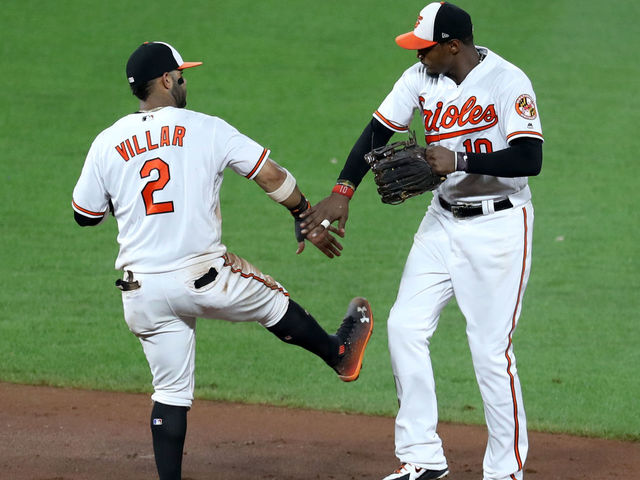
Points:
x=441 y=160
x=325 y=242
x=334 y=207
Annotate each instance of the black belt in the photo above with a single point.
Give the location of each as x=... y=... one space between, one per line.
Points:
x=131 y=284
x=466 y=210
x=206 y=279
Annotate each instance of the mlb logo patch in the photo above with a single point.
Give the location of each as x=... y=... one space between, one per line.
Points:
x=157 y=421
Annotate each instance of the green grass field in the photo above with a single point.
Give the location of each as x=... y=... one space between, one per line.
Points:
x=303 y=78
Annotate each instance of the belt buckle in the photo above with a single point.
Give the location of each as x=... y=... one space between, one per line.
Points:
x=455 y=210
x=458 y=210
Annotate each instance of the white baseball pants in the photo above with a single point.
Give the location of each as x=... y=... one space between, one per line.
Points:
x=162 y=314
x=484 y=262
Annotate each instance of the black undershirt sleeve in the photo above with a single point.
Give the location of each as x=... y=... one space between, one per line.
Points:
x=523 y=158
x=89 y=221
x=373 y=136
x=85 y=221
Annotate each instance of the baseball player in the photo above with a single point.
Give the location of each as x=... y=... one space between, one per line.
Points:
x=483 y=132
x=159 y=171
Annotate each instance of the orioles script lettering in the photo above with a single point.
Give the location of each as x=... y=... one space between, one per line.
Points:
x=133 y=146
x=470 y=115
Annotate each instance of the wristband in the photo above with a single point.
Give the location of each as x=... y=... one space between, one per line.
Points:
x=285 y=189
x=461 y=162
x=302 y=206
x=344 y=187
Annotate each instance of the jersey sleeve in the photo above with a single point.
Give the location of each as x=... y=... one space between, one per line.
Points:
x=396 y=110
x=242 y=154
x=90 y=198
x=520 y=110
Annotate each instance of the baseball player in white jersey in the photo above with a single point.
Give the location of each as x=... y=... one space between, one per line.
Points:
x=483 y=133
x=159 y=170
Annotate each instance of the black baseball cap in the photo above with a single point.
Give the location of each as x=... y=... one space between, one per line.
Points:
x=151 y=59
x=437 y=22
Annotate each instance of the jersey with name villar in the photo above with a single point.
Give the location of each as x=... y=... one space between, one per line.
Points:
x=493 y=105
x=162 y=171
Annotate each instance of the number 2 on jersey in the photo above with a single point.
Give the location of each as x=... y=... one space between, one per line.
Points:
x=152 y=186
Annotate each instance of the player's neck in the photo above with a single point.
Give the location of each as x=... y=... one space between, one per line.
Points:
x=155 y=102
x=469 y=59
x=148 y=106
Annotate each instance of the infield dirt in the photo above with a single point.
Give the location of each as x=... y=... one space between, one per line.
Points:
x=64 y=434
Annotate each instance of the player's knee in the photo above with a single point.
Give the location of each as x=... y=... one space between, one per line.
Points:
x=397 y=329
x=182 y=397
x=489 y=362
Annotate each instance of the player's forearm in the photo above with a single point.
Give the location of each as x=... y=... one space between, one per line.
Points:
x=373 y=136
x=294 y=200
x=280 y=185
x=522 y=159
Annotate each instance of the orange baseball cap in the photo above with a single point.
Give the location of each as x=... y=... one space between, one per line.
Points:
x=437 y=22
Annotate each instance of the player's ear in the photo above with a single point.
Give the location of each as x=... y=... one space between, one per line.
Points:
x=167 y=80
x=453 y=46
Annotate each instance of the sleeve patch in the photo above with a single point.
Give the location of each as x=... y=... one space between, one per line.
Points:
x=526 y=107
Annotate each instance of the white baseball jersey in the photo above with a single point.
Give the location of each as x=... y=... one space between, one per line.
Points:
x=494 y=105
x=162 y=171
x=484 y=261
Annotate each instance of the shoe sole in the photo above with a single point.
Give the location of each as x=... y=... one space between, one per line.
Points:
x=426 y=477
x=445 y=474
x=353 y=305
x=442 y=475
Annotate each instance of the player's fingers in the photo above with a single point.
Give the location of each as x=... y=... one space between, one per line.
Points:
x=335 y=251
x=326 y=243
x=335 y=247
x=309 y=222
x=312 y=223
x=336 y=230
x=307 y=212
x=327 y=252
x=342 y=222
x=319 y=230
x=316 y=215
x=300 y=248
x=334 y=241
x=310 y=214
x=331 y=244
x=325 y=249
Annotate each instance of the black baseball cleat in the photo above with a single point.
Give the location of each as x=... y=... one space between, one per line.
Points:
x=353 y=335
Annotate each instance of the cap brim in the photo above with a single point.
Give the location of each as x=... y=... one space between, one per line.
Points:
x=411 y=42
x=189 y=65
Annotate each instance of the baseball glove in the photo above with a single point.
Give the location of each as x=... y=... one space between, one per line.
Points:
x=401 y=171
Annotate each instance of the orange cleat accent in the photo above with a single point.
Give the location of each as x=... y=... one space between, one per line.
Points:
x=354 y=334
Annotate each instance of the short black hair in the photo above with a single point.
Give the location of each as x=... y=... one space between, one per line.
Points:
x=141 y=90
x=468 y=40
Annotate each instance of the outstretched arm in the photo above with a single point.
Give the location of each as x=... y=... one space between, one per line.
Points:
x=282 y=187
x=336 y=205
